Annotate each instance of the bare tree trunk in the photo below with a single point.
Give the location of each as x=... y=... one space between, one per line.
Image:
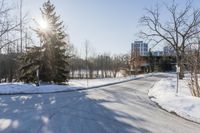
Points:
x=194 y=84
x=115 y=74
x=98 y=73
x=180 y=64
x=193 y=60
x=21 y=43
x=72 y=76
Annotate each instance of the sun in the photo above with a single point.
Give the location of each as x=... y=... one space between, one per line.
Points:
x=43 y=24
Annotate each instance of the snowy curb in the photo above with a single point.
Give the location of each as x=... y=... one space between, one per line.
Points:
x=186 y=116
x=123 y=81
x=14 y=89
x=181 y=105
x=108 y=84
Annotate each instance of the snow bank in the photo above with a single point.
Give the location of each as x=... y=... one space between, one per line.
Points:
x=183 y=103
x=16 y=88
x=21 y=88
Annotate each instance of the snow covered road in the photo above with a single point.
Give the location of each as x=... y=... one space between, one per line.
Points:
x=121 y=108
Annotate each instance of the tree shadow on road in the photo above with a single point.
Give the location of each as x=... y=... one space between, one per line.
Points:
x=72 y=112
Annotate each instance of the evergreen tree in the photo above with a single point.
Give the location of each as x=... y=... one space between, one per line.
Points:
x=165 y=64
x=31 y=61
x=53 y=64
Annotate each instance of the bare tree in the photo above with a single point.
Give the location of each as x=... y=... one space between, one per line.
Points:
x=86 y=58
x=117 y=64
x=9 y=37
x=181 y=27
x=126 y=58
x=7 y=24
x=136 y=60
x=193 y=62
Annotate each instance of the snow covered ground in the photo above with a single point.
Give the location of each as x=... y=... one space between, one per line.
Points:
x=100 y=82
x=16 y=88
x=183 y=103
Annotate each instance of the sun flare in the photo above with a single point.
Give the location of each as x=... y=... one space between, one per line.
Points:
x=44 y=24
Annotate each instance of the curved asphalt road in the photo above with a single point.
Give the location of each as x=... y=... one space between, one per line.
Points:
x=121 y=108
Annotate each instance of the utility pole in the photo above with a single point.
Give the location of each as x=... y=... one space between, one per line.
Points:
x=86 y=59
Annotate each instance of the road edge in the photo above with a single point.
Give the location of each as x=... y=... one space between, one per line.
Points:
x=171 y=112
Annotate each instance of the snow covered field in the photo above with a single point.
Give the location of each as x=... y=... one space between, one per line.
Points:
x=16 y=88
x=100 y=82
x=183 y=103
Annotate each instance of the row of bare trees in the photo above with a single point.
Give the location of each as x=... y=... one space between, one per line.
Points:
x=101 y=66
x=14 y=39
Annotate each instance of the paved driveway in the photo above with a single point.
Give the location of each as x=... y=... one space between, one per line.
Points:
x=121 y=108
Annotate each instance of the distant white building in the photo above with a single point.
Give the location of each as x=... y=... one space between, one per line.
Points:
x=140 y=47
x=157 y=53
x=168 y=51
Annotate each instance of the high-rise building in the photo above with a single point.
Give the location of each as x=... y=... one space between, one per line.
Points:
x=141 y=47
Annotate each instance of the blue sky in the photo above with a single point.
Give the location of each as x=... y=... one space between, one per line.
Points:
x=109 y=25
